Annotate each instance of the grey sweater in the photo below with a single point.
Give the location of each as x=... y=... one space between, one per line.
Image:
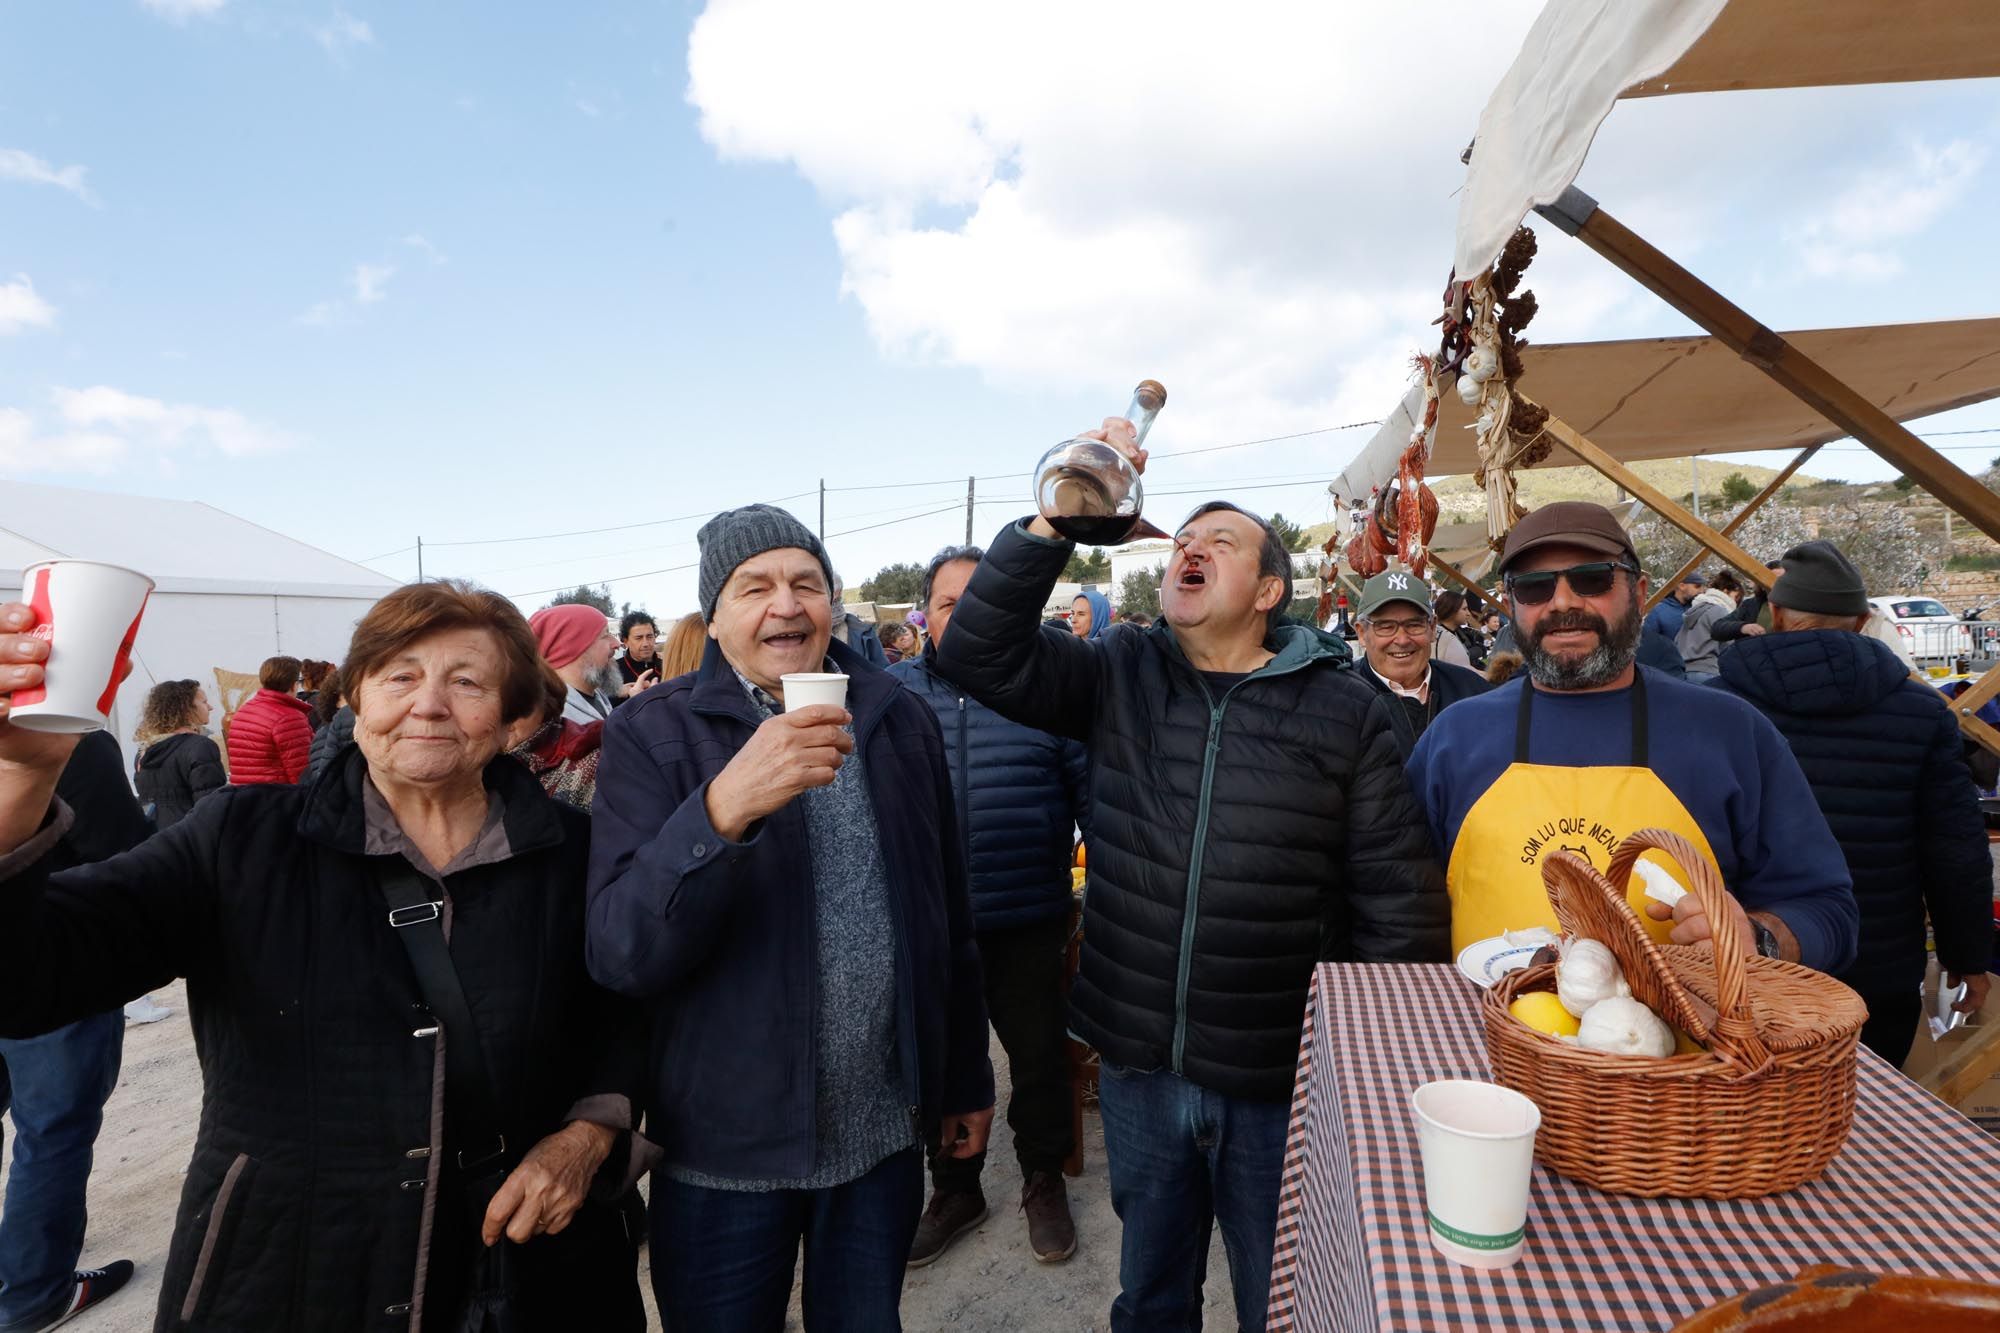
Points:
x=861 y=1116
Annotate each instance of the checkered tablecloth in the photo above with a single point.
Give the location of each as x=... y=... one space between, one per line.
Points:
x=1915 y=1190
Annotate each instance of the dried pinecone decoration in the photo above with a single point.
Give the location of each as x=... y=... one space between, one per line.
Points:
x=1515 y=257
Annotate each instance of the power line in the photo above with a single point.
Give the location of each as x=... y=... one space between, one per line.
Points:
x=620 y=527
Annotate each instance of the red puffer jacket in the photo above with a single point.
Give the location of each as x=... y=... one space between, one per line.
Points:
x=269 y=739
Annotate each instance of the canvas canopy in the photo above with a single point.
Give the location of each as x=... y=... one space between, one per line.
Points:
x=1581 y=56
x=1673 y=397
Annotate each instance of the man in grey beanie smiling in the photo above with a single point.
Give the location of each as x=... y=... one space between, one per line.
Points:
x=787 y=888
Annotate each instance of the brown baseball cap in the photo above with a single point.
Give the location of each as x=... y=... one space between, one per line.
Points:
x=1578 y=523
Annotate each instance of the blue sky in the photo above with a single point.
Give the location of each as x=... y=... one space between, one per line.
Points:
x=367 y=271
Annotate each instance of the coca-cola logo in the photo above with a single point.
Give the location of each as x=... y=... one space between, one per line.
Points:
x=44 y=631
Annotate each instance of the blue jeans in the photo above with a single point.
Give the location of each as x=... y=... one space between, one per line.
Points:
x=56 y=1086
x=723 y=1259
x=1182 y=1159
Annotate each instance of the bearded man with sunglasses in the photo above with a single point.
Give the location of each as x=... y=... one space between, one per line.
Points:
x=1585 y=747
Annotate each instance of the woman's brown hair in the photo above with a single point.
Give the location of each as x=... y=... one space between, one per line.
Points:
x=419 y=610
x=169 y=708
x=686 y=642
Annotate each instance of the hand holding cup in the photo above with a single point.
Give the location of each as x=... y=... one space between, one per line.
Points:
x=787 y=756
x=22 y=656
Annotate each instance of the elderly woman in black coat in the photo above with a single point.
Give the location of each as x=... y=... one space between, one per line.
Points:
x=418 y=1107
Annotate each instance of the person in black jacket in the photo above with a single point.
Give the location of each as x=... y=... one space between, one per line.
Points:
x=785 y=886
x=1020 y=797
x=180 y=764
x=335 y=1185
x=1882 y=754
x=1248 y=818
x=56 y=1085
x=1396 y=624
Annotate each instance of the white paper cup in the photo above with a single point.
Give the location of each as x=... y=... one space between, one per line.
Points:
x=89 y=614
x=812 y=689
x=1478 y=1146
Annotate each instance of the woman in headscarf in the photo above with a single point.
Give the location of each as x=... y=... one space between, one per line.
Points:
x=1090 y=615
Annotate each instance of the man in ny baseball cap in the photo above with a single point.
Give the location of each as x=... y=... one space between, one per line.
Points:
x=1398 y=638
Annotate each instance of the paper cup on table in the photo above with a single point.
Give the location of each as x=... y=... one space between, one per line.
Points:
x=1478 y=1146
x=812 y=689
x=89 y=614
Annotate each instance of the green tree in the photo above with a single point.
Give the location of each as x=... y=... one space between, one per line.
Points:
x=1289 y=532
x=894 y=585
x=585 y=595
x=1904 y=484
x=1738 y=489
x=1140 y=591
x=1087 y=564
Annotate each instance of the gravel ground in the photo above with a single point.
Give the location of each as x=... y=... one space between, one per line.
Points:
x=988 y=1282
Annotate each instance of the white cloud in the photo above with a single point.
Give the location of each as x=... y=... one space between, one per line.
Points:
x=367 y=284
x=416 y=240
x=19 y=165
x=1857 y=233
x=180 y=11
x=368 y=280
x=589 y=108
x=342 y=33
x=22 y=307
x=1257 y=208
x=100 y=429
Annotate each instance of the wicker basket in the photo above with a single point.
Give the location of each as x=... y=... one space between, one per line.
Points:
x=1761 y=1110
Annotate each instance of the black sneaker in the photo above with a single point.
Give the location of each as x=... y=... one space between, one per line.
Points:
x=93 y=1285
x=950 y=1215
x=1051 y=1233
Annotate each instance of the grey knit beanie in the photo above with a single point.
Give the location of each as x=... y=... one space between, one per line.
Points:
x=736 y=535
x=1819 y=580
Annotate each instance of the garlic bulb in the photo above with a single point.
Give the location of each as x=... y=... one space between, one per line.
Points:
x=1588 y=974
x=1623 y=1026
x=1482 y=362
x=1469 y=390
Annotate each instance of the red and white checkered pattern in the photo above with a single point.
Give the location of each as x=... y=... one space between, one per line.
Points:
x=1915 y=1190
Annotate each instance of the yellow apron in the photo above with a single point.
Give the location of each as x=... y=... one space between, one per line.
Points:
x=1495 y=875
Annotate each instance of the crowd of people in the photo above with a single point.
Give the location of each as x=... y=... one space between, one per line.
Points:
x=514 y=910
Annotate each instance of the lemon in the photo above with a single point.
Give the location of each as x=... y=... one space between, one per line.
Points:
x=1543 y=1012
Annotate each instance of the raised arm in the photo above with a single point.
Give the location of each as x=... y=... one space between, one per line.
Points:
x=997 y=650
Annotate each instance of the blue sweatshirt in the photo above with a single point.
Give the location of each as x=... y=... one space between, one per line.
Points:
x=1719 y=755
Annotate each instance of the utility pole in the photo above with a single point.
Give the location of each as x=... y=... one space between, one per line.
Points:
x=970 y=483
x=420 y=559
x=822 y=508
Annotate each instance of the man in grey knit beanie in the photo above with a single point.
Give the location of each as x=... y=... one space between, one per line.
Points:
x=784 y=885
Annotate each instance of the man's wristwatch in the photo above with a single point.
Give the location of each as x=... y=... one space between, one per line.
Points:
x=1767 y=939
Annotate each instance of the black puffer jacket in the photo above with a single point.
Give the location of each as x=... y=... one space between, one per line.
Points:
x=1883 y=756
x=1020 y=796
x=328 y=742
x=175 y=772
x=1234 y=842
x=318 y=1158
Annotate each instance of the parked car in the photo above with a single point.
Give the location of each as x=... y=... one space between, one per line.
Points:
x=1927 y=629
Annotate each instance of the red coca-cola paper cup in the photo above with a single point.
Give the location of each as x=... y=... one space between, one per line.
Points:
x=89 y=614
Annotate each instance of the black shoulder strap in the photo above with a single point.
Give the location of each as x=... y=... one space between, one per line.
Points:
x=468 y=1088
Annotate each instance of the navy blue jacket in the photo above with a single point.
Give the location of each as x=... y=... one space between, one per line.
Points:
x=1883 y=757
x=1020 y=793
x=1665 y=619
x=719 y=935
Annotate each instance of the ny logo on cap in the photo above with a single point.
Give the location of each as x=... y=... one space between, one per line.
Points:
x=1399 y=581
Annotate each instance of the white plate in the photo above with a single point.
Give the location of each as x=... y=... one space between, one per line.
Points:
x=1486 y=961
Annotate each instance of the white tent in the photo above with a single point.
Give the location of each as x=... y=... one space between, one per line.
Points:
x=229 y=594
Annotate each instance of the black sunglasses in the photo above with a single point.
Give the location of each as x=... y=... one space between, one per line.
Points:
x=1591 y=580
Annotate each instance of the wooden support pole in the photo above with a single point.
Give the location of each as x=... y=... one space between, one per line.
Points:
x=1655 y=499
x=1457 y=576
x=1977 y=695
x=1578 y=214
x=1728 y=529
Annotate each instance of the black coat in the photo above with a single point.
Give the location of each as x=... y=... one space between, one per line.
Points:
x=175 y=772
x=1883 y=756
x=1234 y=842
x=315 y=1163
x=328 y=742
x=720 y=936
x=1449 y=684
x=1020 y=794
